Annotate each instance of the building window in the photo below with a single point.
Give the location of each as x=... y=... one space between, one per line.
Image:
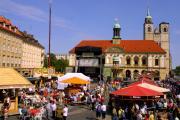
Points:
x=165 y=29
x=136 y=60
x=3 y=64
x=156 y=62
x=149 y=29
x=128 y=60
x=115 y=62
x=144 y=60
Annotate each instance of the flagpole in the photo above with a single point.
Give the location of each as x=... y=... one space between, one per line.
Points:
x=49 y=58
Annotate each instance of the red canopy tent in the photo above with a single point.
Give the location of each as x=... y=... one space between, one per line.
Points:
x=136 y=91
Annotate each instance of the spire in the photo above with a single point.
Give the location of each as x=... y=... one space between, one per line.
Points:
x=148 y=18
x=148 y=12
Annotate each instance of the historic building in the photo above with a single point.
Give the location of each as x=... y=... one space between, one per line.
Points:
x=125 y=58
x=18 y=49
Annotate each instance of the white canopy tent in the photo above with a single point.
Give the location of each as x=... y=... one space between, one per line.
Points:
x=70 y=75
x=154 y=87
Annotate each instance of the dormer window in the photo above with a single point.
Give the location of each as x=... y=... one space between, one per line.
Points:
x=4 y=25
x=15 y=29
x=1 y=23
x=10 y=27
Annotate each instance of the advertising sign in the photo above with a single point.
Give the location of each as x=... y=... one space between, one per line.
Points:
x=89 y=62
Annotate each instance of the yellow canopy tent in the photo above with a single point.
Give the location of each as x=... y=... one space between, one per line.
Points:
x=75 y=80
x=11 y=81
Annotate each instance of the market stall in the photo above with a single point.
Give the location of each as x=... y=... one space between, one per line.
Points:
x=75 y=89
x=75 y=84
x=71 y=76
x=134 y=94
x=136 y=91
x=10 y=82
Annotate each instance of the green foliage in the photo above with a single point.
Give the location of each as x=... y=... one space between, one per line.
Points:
x=177 y=70
x=59 y=65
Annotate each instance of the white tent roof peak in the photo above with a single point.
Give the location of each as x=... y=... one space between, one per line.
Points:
x=70 y=75
x=153 y=87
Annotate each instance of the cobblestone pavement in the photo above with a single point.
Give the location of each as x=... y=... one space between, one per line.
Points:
x=81 y=112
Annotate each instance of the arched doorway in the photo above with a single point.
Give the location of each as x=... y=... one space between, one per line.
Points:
x=128 y=74
x=136 y=74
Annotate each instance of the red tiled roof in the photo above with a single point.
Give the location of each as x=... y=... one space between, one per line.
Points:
x=8 y=22
x=129 y=46
x=3 y=19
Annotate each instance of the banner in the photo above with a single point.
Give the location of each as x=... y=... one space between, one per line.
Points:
x=89 y=62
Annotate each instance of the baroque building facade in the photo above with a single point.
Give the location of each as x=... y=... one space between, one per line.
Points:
x=18 y=49
x=125 y=58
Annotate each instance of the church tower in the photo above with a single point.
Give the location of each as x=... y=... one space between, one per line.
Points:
x=148 y=27
x=164 y=34
x=165 y=43
x=116 y=33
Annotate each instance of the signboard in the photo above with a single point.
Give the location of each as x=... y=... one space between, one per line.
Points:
x=51 y=71
x=89 y=62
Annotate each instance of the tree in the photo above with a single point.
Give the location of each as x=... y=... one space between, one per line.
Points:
x=52 y=62
x=59 y=65
x=177 y=70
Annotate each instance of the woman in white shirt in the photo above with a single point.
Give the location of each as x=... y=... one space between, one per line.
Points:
x=103 y=110
x=65 y=112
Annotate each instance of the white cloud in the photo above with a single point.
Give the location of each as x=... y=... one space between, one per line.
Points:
x=36 y=14
x=31 y=12
x=23 y=10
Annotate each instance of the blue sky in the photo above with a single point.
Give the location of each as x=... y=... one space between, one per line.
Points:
x=76 y=20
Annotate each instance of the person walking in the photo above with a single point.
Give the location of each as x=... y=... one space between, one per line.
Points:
x=53 y=109
x=103 y=111
x=98 y=111
x=93 y=101
x=65 y=112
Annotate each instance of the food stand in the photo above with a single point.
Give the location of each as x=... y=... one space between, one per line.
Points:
x=10 y=82
x=75 y=81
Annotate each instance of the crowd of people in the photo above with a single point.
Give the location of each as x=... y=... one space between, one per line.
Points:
x=157 y=109
x=46 y=101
